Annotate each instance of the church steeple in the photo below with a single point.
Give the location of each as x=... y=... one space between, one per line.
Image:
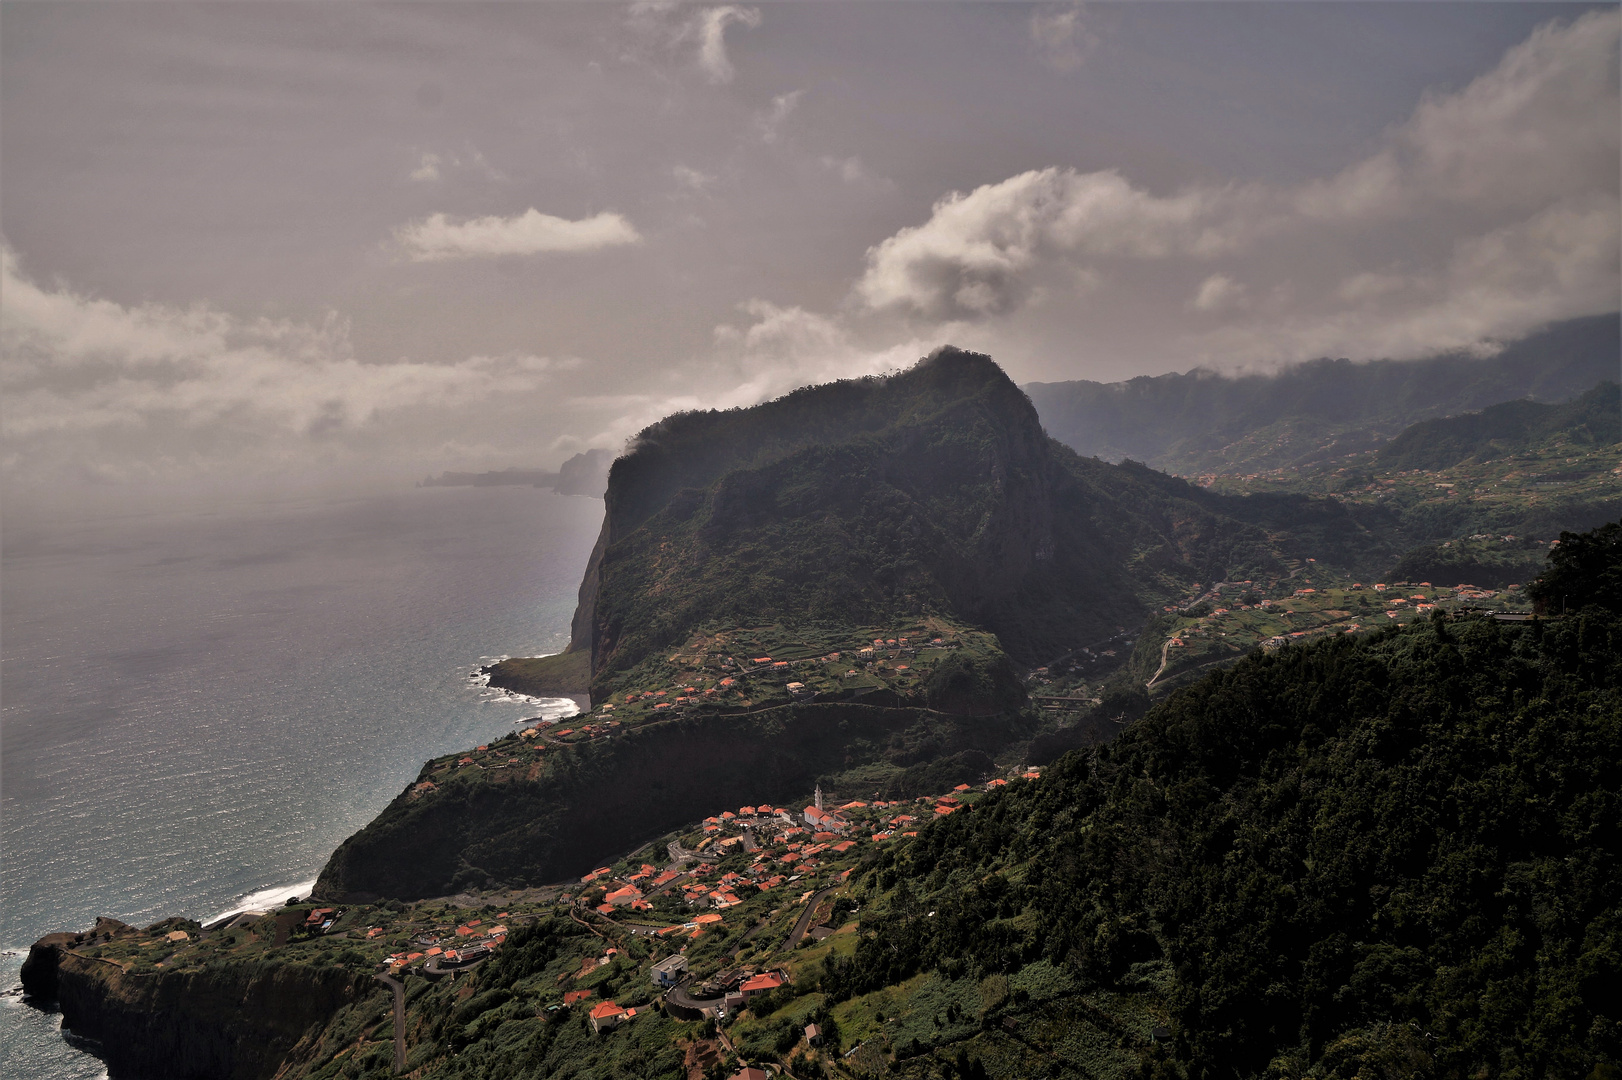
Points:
x=819 y=798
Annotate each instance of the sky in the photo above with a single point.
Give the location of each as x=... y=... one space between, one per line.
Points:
x=274 y=243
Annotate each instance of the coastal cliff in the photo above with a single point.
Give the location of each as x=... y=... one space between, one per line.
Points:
x=483 y=832
x=221 y=1022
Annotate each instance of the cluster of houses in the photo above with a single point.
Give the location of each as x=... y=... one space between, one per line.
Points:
x=684 y=696
x=786 y=846
x=447 y=949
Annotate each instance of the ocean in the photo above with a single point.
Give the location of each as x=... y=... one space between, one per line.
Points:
x=199 y=706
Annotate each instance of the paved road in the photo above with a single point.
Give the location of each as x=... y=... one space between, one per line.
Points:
x=681 y=854
x=804 y=922
x=399 y=1020
x=1165 y=648
x=678 y=994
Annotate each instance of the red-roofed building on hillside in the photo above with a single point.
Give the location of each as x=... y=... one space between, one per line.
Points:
x=625 y=897
x=608 y=1016
x=760 y=984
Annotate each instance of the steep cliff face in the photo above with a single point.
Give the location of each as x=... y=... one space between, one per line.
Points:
x=607 y=797
x=235 y=1022
x=856 y=501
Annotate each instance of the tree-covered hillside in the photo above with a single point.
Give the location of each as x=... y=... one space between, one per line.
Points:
x=934 y=490
x=1593 y=419
x=1200 y=422
x=1395 y=855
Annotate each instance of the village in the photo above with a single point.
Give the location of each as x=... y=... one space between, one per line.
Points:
x=731 y=913
x=1218 y=623
x=735 y=671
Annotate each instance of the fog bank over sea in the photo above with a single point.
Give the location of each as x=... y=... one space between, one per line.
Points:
x=200 y=705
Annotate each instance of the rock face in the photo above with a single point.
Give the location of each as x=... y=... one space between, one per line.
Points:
x=865 y=501
x=614 y=796
x=235 y=1023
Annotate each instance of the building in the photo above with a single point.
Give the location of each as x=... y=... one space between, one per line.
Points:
x=763 y=983
x=608 y=1016
x=668 y=972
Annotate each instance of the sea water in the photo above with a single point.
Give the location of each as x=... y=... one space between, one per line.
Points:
x=199 y=706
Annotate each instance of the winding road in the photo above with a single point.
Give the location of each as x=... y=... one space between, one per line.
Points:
x=399 y=1020
x=804 y=922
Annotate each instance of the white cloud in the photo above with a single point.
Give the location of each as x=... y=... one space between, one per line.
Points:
x=1219 y=292
x=972 y=256
x=770 y=123
x=427 y=169
x=665 y=25
x=1490 y=210
x=708 y=28
x=692 y=179
x=95 y=387
x=772 y=350
x=529 y=233
x=849 y=169
x=433 y=165
x=1059 y=37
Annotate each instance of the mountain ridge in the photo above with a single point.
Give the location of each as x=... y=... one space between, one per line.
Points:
x=1201 y=421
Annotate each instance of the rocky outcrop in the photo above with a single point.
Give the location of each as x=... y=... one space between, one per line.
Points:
x=230 y=1022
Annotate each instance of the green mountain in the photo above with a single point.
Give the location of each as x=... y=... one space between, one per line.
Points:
x=874 y=500
x=1201 y=422
x=925 y=512
x=1383 y=856
x=1594 y=419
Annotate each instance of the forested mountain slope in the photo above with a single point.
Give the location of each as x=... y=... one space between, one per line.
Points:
x=746 y=559
x=874 y=499
x=1392 y=855
x=1199 y=422
x=1593 y=419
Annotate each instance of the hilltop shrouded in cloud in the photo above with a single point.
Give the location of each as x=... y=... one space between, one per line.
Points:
x=403 y=240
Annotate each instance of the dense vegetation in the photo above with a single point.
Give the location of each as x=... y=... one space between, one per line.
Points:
x=1201 y=422
x=1385 y=856
x=933 y=490
x=1593 y=419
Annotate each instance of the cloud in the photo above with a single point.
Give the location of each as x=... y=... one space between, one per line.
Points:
x=665 y=25
x=529 y=233
x=1488 y=212
x=773 y=349
x=690 y=178
x=972 y=256
x=432 y=165
x=1059 y=37
x=1219 y=292
x=427 y=169
x=710 y=30
x=95 y=387
x=770 y=123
